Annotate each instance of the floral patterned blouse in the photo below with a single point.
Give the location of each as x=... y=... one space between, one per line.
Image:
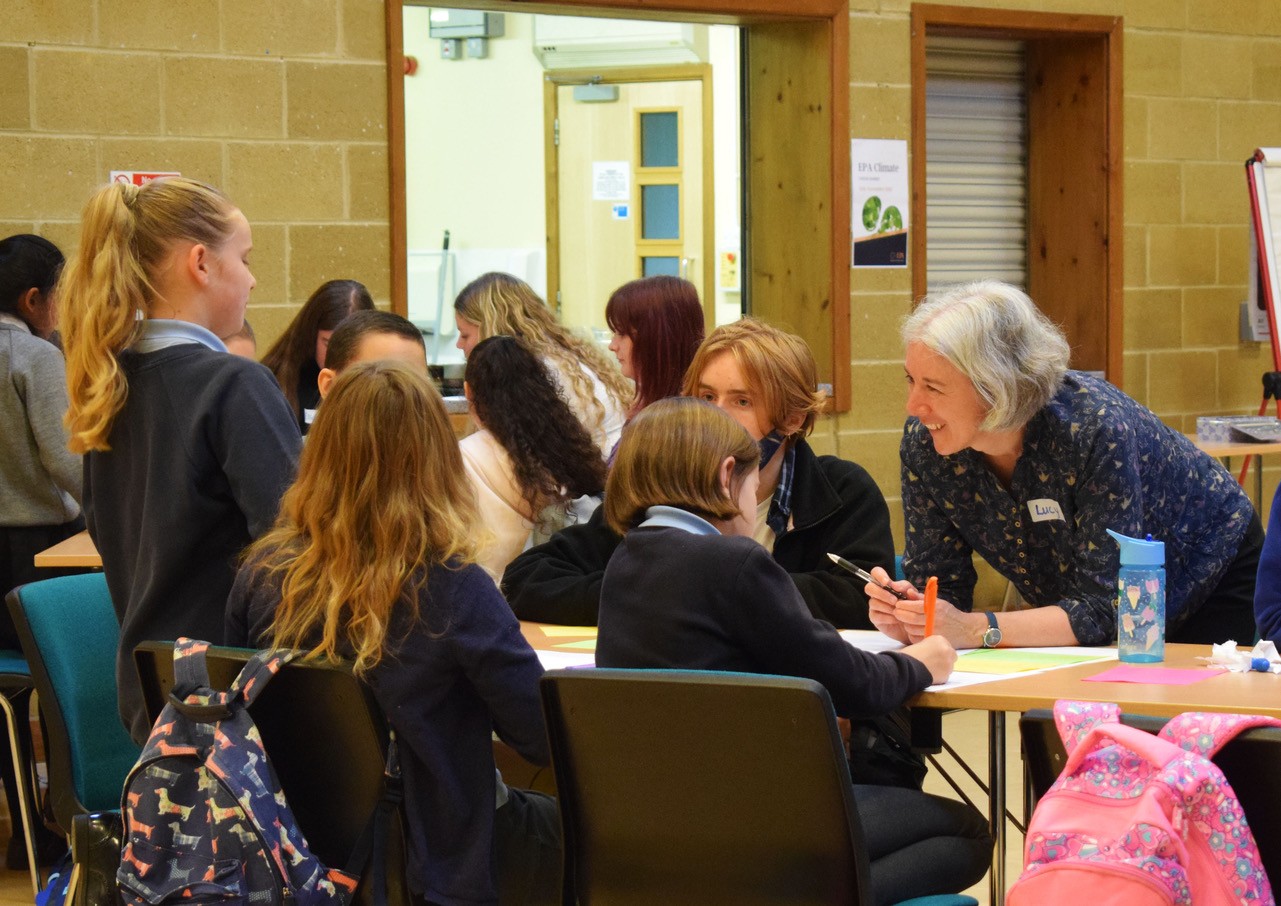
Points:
x=1092 y=459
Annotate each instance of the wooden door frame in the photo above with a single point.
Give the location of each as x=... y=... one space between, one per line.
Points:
x=1053 y=235
x=830 y=289
x=693 y=72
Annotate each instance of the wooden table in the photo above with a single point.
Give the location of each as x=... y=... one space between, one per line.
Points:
x=78 y=550
x=1253 y=693
x=1225 y=452
x=1234 y=692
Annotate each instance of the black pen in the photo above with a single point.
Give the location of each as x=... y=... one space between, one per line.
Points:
x=867 y=577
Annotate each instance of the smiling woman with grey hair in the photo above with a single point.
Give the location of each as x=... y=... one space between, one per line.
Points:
x=1009 y=454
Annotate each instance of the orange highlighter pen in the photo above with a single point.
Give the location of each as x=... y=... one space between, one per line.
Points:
x=931 y=595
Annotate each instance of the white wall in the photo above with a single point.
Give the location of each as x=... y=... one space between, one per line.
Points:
x=474 y=163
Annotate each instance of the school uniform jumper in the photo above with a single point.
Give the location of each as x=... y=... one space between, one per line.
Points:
x=1092 y=459
x=836 y=507
x=447 y=680
x=679 y=595
x=200 y=456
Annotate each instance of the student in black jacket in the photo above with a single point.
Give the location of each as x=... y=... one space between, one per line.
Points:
x=808 y=505
x=688 y=588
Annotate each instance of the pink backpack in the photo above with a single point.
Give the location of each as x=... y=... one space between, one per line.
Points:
x=1137 y=819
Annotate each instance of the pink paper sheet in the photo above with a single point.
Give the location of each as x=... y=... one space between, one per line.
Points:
x=1158 y=676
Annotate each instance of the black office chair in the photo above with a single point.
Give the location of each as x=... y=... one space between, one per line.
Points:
x=687 y=787
x=327 y=740
x=1249 y=762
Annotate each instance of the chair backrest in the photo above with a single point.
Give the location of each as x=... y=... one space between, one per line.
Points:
x=326 y=737
x=69 y=633
x=1249 y=762
x=685 y=786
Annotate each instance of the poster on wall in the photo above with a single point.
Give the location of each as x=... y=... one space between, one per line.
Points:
x=611 y=180
x=879 y=180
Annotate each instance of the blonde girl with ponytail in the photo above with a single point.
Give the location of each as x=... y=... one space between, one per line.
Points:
x=188 y=449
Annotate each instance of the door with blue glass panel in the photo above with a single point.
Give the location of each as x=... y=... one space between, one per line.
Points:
x=630 y=191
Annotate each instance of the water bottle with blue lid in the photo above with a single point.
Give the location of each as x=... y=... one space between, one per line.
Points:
x=1140 y=600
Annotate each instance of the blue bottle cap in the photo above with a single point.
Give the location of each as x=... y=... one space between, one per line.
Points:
x=1139 y=553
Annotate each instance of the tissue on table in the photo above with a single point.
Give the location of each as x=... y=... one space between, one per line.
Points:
x=1228 y=655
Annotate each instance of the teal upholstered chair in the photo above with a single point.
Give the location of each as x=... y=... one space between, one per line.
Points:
x=69 y=634
x=15 y=693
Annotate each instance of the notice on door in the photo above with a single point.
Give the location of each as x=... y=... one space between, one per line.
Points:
x=879 y=211
x=611 y=180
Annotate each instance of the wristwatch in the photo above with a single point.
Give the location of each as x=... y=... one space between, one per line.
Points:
x=992 y=637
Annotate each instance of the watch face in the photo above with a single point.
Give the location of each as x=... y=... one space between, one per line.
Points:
x=992 y=638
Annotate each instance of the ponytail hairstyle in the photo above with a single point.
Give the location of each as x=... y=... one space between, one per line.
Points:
x=27 y=262
x=664 y=320
x=380 y=499
x=325 y=310
x=126 y=233
x=514 y=398
x=500 y=304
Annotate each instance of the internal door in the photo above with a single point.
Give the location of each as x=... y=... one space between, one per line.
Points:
x=626 y=194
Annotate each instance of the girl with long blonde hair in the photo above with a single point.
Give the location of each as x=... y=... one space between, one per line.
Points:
x=188 y=448
x=499 y=304
x=373 y=559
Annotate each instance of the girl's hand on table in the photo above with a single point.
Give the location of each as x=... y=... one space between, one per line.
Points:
x=937 y=654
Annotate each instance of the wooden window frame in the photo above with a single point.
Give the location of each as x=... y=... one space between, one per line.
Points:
x=795 y=268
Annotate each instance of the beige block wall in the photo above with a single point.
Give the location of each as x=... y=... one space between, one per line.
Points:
x=1202 y=90
x=280 y=103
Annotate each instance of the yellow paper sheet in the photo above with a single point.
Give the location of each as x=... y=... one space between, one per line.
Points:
x=554 y=631
x=1014 y=660
x=583 y=645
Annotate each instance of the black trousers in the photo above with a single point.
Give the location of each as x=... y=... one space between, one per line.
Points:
x=1229 y=611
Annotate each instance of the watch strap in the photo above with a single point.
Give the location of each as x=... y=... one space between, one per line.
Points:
x=992 y=637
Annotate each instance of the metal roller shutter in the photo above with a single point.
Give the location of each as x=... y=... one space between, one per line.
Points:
x=976 y=161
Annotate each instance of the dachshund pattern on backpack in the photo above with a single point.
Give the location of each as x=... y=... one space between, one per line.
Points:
x=205 y=818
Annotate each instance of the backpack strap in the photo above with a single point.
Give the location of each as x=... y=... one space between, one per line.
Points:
x=257 y=673
x=1075 y=719
x=1207 y=733
x=192 y=695
x=1155 y=750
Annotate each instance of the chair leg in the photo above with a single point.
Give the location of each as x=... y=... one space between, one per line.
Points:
x=22 y=772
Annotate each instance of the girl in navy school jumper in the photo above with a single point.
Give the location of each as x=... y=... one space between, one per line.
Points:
x=188 y=448
x=373 y=559
x=689 y=588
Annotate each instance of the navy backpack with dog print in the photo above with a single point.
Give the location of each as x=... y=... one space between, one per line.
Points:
x=204 y=815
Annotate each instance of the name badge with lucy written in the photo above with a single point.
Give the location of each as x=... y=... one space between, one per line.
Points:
x=1043 y=509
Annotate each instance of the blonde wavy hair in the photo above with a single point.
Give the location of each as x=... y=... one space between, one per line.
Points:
x=381 y=497
x=778 y=367
x=126 y=233
x=670 y=455
x=500 y=304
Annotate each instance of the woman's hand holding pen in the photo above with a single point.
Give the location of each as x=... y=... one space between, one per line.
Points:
x=954 y=625
x=882 y=605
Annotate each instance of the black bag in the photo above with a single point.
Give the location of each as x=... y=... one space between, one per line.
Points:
x=881 y=752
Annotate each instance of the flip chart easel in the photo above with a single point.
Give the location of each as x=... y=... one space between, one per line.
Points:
x=1263 y=176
